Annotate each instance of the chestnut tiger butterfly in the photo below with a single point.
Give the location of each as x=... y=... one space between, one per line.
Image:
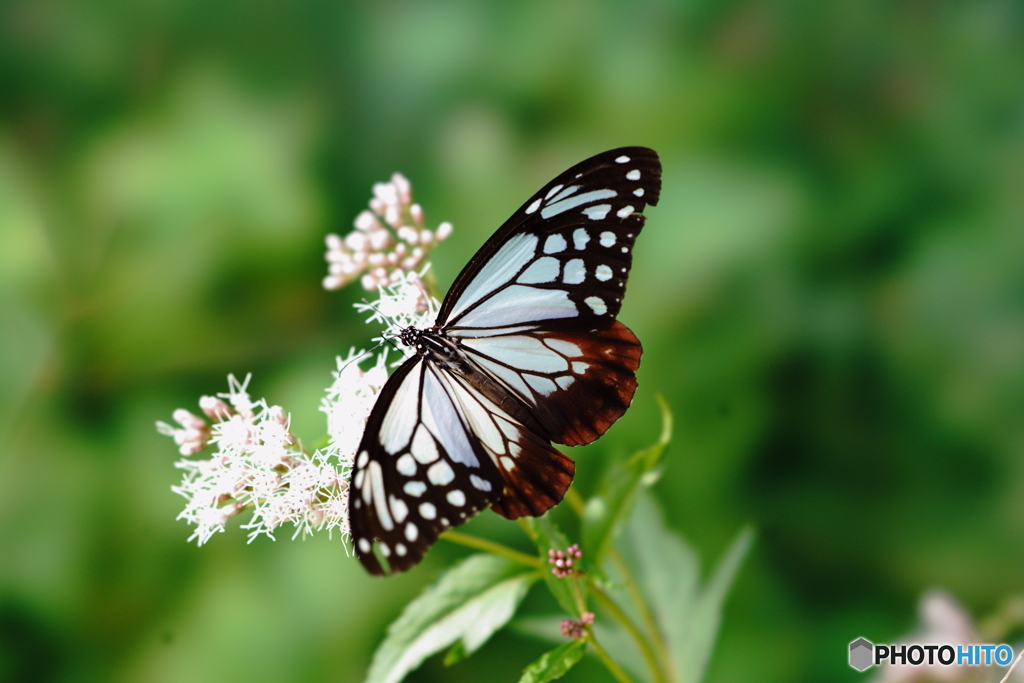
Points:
x=525 y=351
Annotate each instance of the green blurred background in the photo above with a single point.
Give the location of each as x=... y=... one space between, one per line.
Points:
x=830 y=295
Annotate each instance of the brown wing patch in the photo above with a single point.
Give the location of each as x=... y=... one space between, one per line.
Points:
x=604 y=381
x=536 y=482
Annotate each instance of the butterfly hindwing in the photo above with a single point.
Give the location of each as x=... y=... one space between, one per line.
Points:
x=576 y=385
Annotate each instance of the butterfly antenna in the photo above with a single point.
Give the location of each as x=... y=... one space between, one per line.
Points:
x=386 y=318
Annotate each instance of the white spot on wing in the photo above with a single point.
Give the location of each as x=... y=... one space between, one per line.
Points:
x=456 y=498
x=554 y=244
x=363 y=457
x=624 y=211
x=507 y=462
x=544 y=269
x=508 y=428
x=608 y=237
x=359 y=479
x=428 y=511
x=440 y=473
x=406 y=465
x=376 y=482
x=639 y=192
x=479 y=484
x=575 y=272
x=534 y=206
x=633 y=175
x=399 y=509
x=364 y=545
x=622 y=160
x=596 y=304
x=565 y=381
x=580 y=368
x=603 y=273
x=385 y=550
x=563 y=347
x=414 y=488
x=411 y=532
x=542 y=385
x=556 y=208
x=553 y=190
x=565 y=193
x=396 y=428
x=423 y=448
x=400 y=550
x=580 y=237
x=597 y=212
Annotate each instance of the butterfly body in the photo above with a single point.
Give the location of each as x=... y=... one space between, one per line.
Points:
x=525 y=351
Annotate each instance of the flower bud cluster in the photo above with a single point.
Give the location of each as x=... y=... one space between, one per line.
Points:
x=389 y=240
x=563 y=562
x=577 y=629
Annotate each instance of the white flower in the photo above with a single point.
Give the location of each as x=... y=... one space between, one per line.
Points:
x=349 y=400
x=260 y=465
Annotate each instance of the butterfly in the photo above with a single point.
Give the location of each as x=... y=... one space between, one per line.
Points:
x=525 y=350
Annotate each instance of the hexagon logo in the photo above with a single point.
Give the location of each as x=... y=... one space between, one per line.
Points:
x=861 y=651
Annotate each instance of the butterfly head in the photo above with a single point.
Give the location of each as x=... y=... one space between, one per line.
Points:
x=410 y=336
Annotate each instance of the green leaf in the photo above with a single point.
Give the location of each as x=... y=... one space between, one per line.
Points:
x=608 y=510
x=668 y=574
x=694 y=653
x=554 y=664
x=546 y=535
x=468 y=604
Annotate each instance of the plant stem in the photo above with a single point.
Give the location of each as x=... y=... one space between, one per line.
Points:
x=609 y=663
x=609 y=605
x=645 y=612
x=575 y=501
x=657 y=659
x=491 y=547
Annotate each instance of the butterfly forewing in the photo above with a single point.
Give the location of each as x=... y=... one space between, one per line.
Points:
x=563 y=257
x=531 y=353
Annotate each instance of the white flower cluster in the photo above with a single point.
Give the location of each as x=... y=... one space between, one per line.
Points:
x=389 y=240
x=260 y=465
x=256 y=463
